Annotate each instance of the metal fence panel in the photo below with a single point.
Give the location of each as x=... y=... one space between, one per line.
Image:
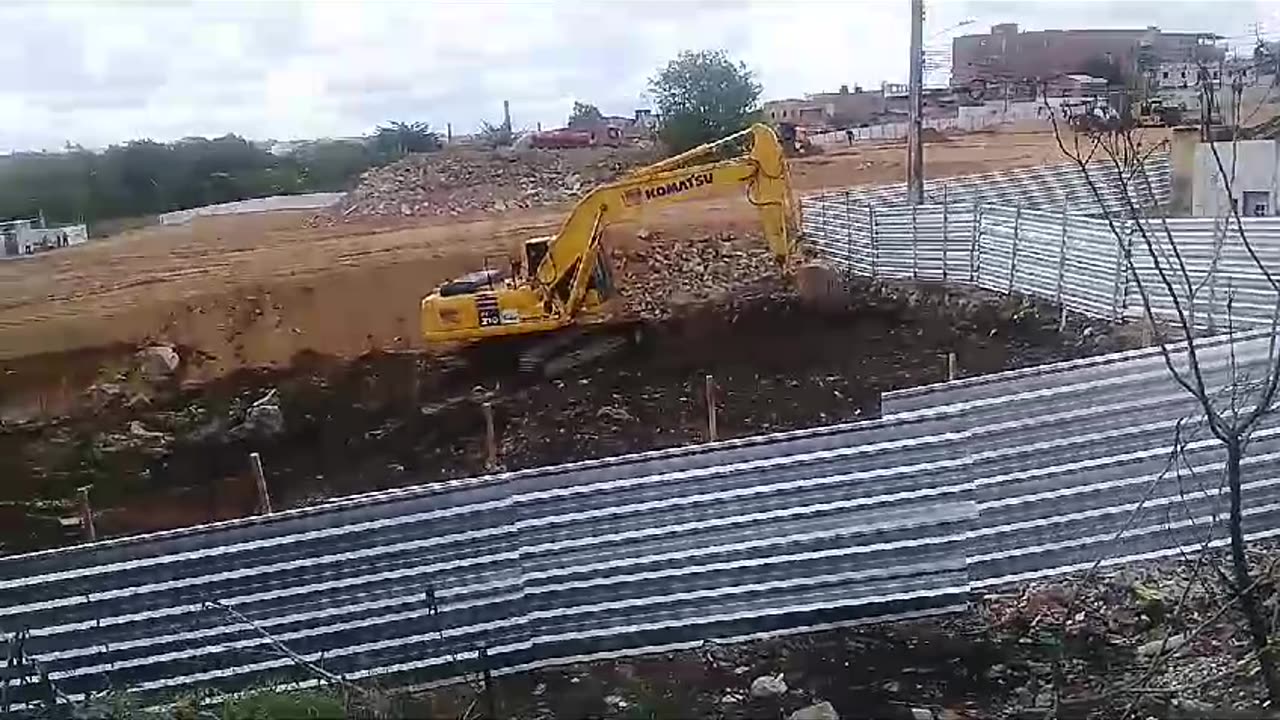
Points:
x=1070 y=260
x=847 y=524
x=1222 y=284
x=841 y=231
x=1046 y=187
x=1075 y=464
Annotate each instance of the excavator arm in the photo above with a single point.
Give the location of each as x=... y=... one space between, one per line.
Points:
x=561 y=276
x=763 y=170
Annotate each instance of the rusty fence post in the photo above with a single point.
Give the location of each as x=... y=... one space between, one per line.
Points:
x=712 y=430
x=260 y=479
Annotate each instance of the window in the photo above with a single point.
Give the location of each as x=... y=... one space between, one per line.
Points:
x=1164 y=75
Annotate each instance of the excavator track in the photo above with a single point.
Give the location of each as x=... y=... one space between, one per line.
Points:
x=571 y=350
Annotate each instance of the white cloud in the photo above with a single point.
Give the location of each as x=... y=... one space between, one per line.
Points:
x=96 y=73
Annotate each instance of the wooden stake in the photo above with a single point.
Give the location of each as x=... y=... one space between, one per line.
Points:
x=1147 y=333
x=87 y=528
x=951 y=366
x=1062 y=321
x=259 y=477
x=490 y=437
x=712 y=432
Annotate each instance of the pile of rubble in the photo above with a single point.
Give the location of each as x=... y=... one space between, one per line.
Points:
x=656 y=280
x=457 y=181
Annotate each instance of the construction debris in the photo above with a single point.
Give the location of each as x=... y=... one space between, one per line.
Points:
x=657 y=280
x=456 y=181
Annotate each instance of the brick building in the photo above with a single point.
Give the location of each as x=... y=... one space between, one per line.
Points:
x=1005 y=54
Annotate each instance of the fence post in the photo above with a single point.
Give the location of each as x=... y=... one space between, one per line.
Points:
x=1219 y=238
x=915 y=245
x=945 y=239
x=1121 y=289
x=1013 y=249
x=975 y=249
x=260 y=479
x=1062 y=255
x=848 y=231
x=711 y=408
x=490 y=437
x=871 y=236
x=87 y=529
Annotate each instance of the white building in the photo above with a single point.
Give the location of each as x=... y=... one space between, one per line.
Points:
x=23 y=237
x=1255 y=188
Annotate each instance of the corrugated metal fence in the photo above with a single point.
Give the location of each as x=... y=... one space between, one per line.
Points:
x=962 y=485
x=1046 y=187
x=1223 y=284
x=839 y=525
x=1071 y=259
x=1099 y=460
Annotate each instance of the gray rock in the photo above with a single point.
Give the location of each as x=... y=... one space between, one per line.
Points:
x=1174 y=645
x=768 y=686
x=921 y=714
x=818 y=711
x=158 y=361
x=617 y=702
x=263 y=419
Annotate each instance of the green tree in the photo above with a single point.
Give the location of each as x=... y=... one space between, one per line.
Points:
x=397 y=139
x=584 y=114
x=703 y=96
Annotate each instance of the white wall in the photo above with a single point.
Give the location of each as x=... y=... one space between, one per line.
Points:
x=1255 y=170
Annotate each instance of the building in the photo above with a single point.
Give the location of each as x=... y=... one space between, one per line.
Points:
x=1198 y=187
x=28 y=237
x=1005 y=54
x=854 y=108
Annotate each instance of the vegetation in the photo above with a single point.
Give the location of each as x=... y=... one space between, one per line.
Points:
x=143 y=177
x=584 y=114
x=703 y=96
x=496 y=136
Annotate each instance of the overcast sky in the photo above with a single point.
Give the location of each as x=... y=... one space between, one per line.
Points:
x=94 y=73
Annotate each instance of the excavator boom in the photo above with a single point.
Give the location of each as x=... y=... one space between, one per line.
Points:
x=566 y=279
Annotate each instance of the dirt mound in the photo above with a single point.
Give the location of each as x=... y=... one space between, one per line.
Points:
x=455 y=181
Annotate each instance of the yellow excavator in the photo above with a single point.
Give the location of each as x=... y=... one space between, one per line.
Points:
x=566 y=279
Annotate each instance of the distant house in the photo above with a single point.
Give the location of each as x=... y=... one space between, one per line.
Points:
x=30 y=236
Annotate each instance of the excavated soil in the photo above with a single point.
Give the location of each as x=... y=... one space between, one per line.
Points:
x=165 y=454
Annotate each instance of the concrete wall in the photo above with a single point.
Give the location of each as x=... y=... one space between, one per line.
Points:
x=1256 y=163
x=27 y=240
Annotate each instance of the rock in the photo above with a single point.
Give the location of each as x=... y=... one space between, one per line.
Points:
x=138 y=430
x=768 y=686
x=540 y=688
x=1172 y=646
x=158 y=361
x=921 y=714
x=263 y=419
x=818 y=711
x=616 y=414
x=616 y=702
x=457 y=180
x=731 y=698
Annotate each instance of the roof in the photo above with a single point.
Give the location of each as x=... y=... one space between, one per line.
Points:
x=20 y=221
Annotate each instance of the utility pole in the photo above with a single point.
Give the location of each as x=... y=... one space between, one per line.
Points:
x=915 y=144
